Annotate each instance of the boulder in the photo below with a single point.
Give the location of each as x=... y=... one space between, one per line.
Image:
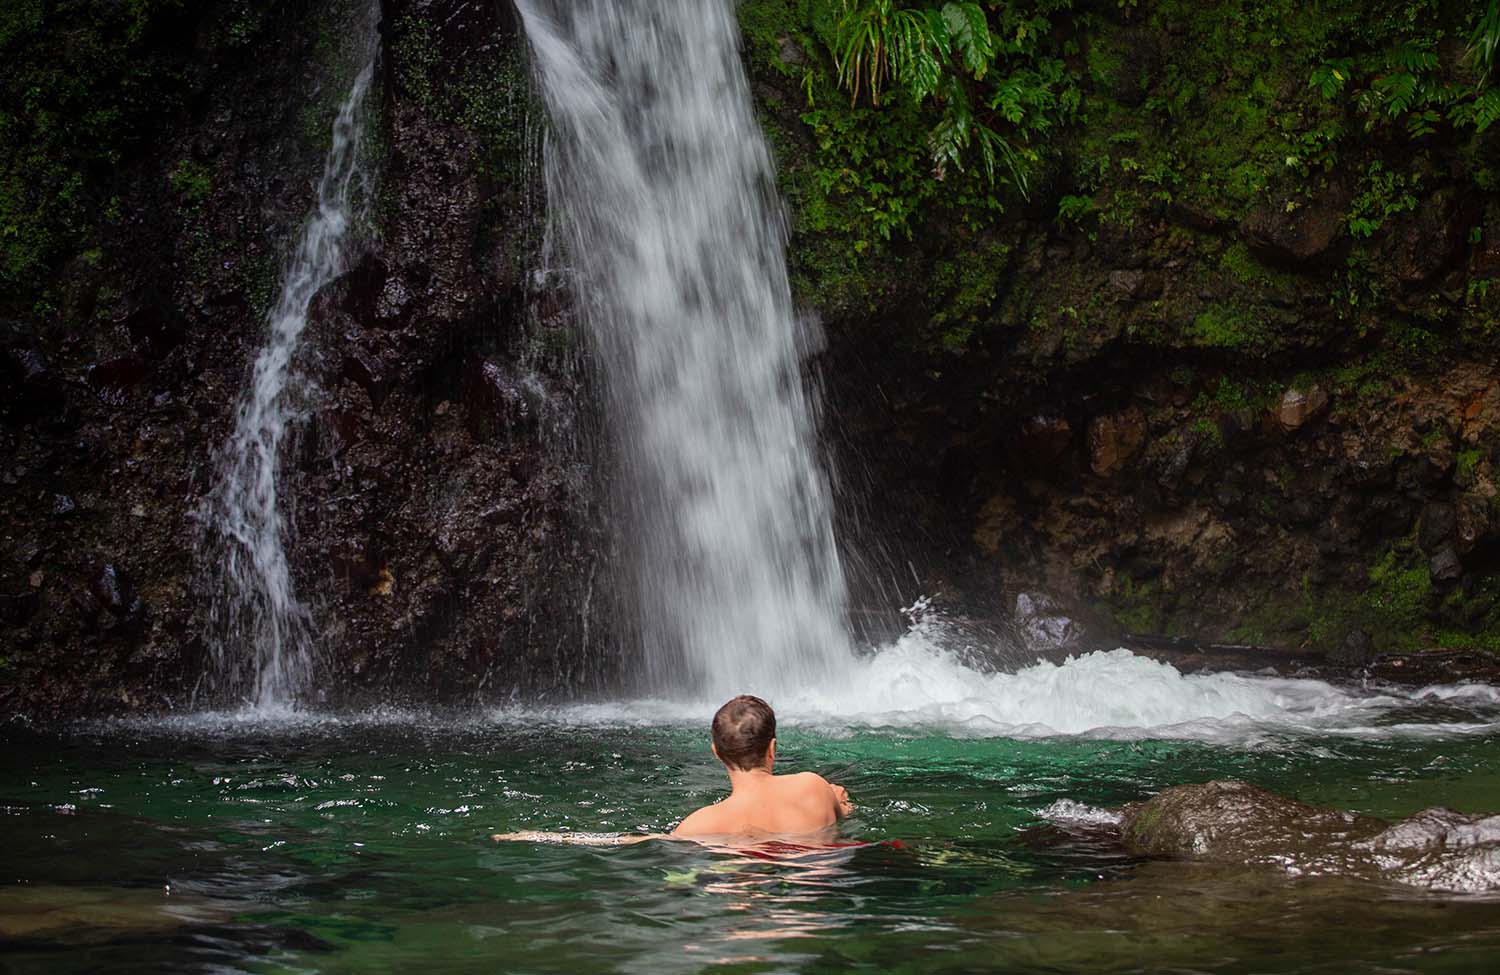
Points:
x=1428 y=240
x=1041 y=441
x=1236 y=822
x=1134 y=285
x=1042 y=624
x=1357 y=651
x=1114 y=440
x=113 y=380
x=1291 y=236
x=1472 y=523
x=1299 y=407
x=1438 y=528
x=1445 y=566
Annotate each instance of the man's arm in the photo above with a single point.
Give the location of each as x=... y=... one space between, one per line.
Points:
x=836 y=794
x=841 y=804
x=575 y=839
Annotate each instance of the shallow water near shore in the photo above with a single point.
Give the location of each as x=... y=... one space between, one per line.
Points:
x=359 y=843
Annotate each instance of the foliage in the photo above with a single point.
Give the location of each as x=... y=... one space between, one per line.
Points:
x=940 y=156
x=1398 y=591
x=1400 y=80
x=1382 y=193
x=1484 y=41
x=86 y=83
x=949 y=55
x=1135 y=605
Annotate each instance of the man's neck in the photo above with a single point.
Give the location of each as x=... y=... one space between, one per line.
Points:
x=740 y=779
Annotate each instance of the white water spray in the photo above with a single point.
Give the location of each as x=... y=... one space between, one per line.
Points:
x=665 y=199
x=260 y=628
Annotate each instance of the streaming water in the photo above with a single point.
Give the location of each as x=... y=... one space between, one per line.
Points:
x=664 y=196
x=259 y=627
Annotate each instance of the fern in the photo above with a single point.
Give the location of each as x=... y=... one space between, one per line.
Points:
x=1483 y=43
x=1487 y=109
x=1330 y=78
x=1414 y=58
x=1396 y=93
x=935 y=53
x=969 y=32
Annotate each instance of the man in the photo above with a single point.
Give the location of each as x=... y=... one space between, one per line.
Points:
x=759 y=802
x=744 y=739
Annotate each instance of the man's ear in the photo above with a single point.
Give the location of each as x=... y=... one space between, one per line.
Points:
x=715 y=750
x=771 y=753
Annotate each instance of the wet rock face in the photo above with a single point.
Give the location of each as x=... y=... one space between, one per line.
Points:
x=446 y=545
x=458 y=529
x=1235 y=822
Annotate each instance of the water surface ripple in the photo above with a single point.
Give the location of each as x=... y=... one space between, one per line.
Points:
x=359 y=843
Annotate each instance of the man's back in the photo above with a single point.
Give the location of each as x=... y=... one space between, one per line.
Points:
x=766 y=803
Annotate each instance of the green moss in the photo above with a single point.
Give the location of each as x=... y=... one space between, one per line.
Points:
x=963 y=288
x=1209 y=429
x=86 y=84
x=1241 y=265
x=1465 y=464
x=495 y=100
x=1363 y=380
x=1247 y=633
x=414 y=49
x=1399 y=587
x=1488 y=641
x=192 y=181
x=1135 y=605
x=1219 y=327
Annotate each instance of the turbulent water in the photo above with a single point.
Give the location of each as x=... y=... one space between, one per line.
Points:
x=663 y=192
x=260 y=628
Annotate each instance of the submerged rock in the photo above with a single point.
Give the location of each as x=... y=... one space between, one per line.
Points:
x=1235 y=822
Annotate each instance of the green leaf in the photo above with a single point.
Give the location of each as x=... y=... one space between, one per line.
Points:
x=1484 y=41
x=970 y=34
x=1487 y=110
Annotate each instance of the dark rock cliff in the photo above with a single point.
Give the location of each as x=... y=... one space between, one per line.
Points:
x=446 y=549
x=1268 y=414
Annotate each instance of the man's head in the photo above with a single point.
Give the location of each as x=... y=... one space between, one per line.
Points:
x=744 y=730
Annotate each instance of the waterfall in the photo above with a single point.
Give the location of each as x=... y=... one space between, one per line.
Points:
x=664 y=199
x=260 y=629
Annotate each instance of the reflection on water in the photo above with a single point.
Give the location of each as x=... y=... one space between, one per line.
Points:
x=362 y=846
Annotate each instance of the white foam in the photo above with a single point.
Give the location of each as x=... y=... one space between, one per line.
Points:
x=1071 y=812
x=918 y=684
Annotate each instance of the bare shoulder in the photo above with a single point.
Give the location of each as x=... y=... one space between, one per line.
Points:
x=808 y=780
x=704 y=821
x=808 y=784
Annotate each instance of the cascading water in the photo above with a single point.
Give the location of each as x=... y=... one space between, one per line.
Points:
x=260 y=628
x=665 y=198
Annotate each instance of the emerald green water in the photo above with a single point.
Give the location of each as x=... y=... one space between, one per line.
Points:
x=362 y=846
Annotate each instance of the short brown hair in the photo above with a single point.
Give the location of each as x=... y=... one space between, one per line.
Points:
x=743 y=730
